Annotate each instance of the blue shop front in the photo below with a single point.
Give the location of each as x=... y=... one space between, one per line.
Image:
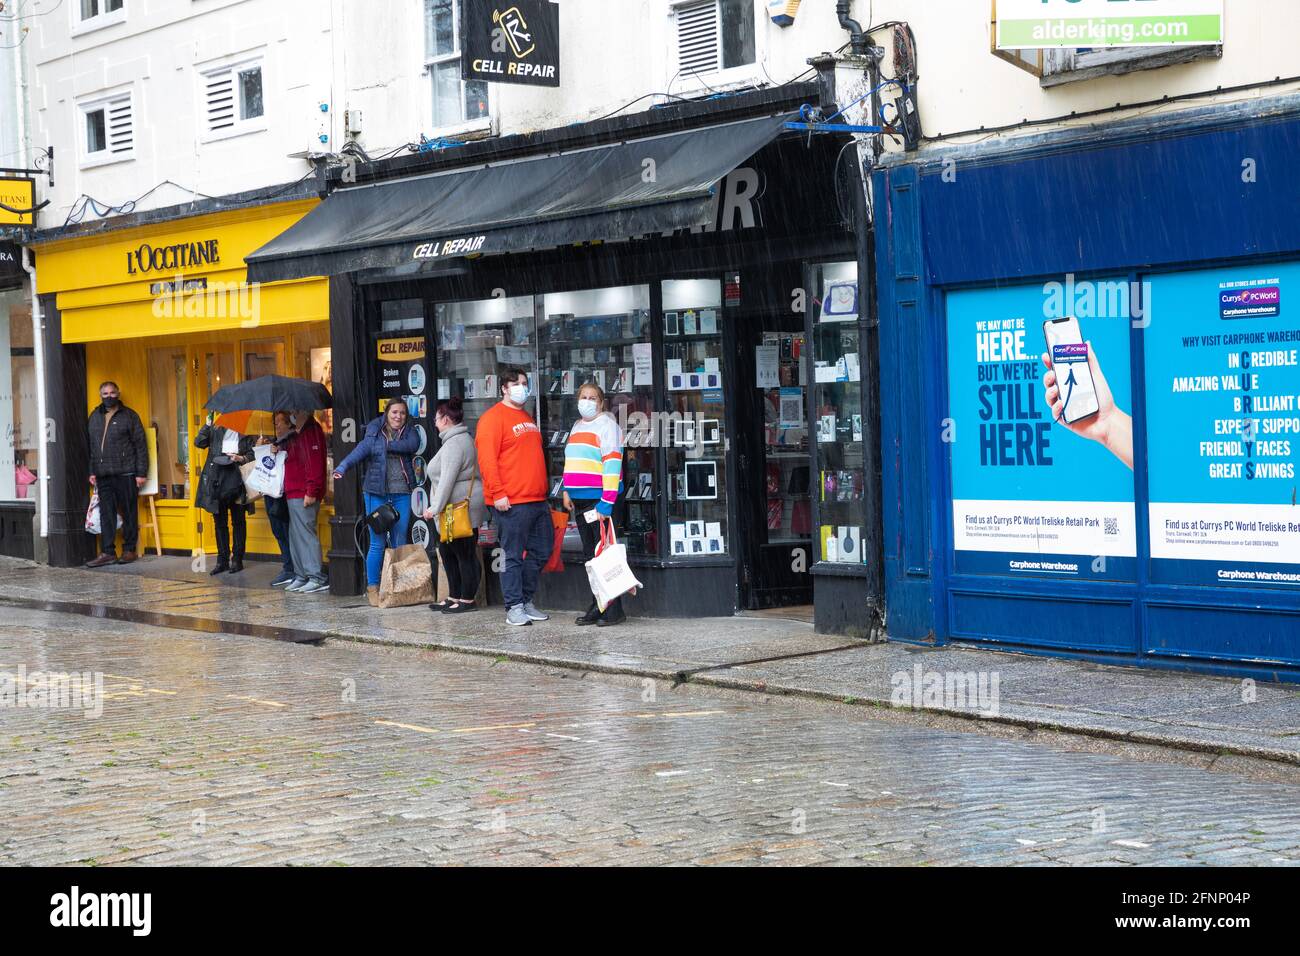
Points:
x=1090 y=377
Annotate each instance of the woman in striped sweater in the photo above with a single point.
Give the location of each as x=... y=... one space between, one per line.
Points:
x=593 y=481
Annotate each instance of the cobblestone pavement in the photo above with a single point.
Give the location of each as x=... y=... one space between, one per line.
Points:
x=228 y=750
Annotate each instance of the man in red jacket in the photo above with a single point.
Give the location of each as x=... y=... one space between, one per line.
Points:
x=304 y=487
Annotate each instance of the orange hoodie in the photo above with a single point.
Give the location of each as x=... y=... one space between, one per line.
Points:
x=510 y=456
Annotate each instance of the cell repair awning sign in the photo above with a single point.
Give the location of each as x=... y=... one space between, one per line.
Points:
x=1035 y=24
x=511 y=41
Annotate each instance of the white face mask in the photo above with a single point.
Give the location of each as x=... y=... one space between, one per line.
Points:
x=587 y=408
x=518 y=393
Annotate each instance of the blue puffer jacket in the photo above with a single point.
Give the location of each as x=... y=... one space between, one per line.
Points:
x=373 y=451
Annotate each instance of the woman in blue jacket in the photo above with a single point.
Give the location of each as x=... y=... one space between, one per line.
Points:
x=385 y=453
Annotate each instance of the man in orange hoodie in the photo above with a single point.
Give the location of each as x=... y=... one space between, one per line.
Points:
x=513 y=466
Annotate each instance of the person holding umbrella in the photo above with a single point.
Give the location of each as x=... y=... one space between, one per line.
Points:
x=221 y=490
x=304 y=466
x=385 y=452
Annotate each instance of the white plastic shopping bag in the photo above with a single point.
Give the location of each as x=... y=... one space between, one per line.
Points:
x=267 y=475
x=92 y=514
x=608 y=572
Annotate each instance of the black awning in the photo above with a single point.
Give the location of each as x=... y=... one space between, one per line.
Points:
x=633 y=188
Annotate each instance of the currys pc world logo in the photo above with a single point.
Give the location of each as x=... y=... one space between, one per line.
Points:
x=1248 y=303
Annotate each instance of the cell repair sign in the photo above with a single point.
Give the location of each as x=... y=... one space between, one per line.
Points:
x=1035 y=24
x=511 y=41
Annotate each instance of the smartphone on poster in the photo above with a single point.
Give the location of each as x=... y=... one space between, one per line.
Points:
x=1069 y=354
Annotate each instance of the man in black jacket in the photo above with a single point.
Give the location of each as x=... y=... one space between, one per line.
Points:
x=119 y=462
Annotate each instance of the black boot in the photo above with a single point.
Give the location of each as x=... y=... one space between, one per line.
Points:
x=591 y=617
x=236 y=565
x=221 y=567
x=614 y=614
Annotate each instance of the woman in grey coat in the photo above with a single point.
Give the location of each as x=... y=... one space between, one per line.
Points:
x=455 y=478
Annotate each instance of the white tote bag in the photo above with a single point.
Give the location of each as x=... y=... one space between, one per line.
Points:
x=92 y=514
x=267 y=476
x=608 y=572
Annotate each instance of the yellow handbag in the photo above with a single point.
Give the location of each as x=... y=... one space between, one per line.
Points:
x=455 y=519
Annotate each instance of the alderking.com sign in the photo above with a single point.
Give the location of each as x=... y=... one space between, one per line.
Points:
x=1034 y=24
x=511 y=41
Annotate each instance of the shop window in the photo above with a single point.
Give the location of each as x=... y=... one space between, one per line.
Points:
x=837 y=415
x=594 y=336
x=169 y=414
x=313 y=361
x=401 y=315
x=262 y=357
x=476 y=341
x=695 y=437
x=18 y=421
x=714 y=35
x=457 y=103
x=108 y=130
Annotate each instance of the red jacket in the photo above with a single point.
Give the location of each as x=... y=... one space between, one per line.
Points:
x=304 y=463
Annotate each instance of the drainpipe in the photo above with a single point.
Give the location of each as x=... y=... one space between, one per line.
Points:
x=38 y=350
x=38 y=325
x=857 y=38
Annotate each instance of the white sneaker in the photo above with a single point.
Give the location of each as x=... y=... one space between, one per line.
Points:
x=533 y=614
x=297 y=585
x=518 y=617
x=315 y=587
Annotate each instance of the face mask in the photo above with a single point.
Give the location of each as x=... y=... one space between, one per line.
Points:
x=518 y=394
x=111 y=402
x=587 y=408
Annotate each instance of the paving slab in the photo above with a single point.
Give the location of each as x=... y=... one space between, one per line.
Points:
x=763 y=654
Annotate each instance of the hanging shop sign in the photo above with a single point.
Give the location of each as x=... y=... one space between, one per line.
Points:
x=1223 y=427
x=19 y=194
x=1036 y=494
x=1035 y=24
x=511 y=41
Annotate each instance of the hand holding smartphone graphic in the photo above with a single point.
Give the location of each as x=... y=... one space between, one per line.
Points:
x=1110 y=426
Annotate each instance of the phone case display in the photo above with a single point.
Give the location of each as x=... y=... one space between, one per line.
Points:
x=579 y=342
x=476 y=341
x=837 y=411
x=785 y=434
x=696 y=449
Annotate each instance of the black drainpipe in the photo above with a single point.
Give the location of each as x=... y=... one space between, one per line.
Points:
x=857 y=39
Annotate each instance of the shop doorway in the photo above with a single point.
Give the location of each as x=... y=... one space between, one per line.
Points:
x=211 y=367
x=774 y=508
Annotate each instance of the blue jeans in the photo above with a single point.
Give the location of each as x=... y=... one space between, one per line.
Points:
x=395 y=538
x=524 y=528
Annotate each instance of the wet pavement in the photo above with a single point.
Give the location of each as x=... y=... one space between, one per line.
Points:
x=223 y=749
x=1211 y=715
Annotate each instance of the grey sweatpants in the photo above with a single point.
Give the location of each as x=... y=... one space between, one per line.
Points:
x=304 y=545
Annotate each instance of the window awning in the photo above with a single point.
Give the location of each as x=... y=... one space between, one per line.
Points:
x=633 y=188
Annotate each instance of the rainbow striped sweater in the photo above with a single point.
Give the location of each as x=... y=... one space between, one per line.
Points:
x=593 y=462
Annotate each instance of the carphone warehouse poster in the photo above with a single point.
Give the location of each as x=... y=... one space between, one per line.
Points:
x=1223 y=426
x=1039 y=491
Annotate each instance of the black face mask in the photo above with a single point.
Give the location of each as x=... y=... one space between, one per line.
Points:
x=111 y=403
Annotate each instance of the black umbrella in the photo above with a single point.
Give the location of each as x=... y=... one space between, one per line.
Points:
x=271 y=393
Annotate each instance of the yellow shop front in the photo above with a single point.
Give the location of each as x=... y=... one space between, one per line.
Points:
x=165 y=311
